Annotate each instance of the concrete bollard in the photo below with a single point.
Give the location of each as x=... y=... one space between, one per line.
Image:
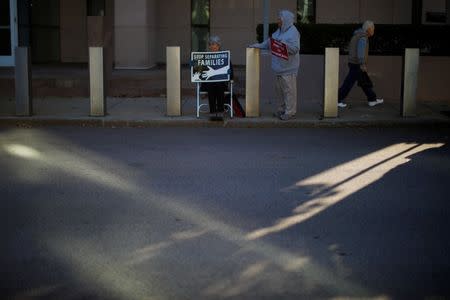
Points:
x=97 y=82
x=24 y=99
x=252 y=79
x=409 y=88
x=173 y=81
x=331 y=83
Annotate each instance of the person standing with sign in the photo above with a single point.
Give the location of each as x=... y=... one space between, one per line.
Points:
x=285 y=47
x=216 y=90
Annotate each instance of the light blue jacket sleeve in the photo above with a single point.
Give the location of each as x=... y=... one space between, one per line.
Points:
x=263 y=45
x=362 y=44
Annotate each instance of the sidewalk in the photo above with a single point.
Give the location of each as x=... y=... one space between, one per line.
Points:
x=151 y=112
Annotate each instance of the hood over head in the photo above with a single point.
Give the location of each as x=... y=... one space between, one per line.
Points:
x=287 y=18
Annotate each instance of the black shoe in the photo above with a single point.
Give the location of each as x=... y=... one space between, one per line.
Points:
x=277 y=114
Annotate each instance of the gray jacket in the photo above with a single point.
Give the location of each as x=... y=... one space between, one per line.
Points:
x=289 y=35
x=358 y=49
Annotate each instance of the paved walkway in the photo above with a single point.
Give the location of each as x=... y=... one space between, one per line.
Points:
x=151 y=112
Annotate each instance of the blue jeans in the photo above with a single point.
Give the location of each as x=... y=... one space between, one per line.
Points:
x=354 y=73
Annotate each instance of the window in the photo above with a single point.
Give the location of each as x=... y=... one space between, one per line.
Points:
x=5 y=28
x=45 y=31
x=199 y=25
x=306 y=11
x=430 y=12
x=434 y=11
x=417 y=12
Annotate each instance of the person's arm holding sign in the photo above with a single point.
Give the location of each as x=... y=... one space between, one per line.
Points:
x=283 y=40
x=293 y=46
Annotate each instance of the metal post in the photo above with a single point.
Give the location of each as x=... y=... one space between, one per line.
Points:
x=198 y=99
x=231 y=99
x=173 y=81
x=24 y=100
x=331 y=74
x=266 y=19
x=252 y=78
x=97 y=82
x=411 y=68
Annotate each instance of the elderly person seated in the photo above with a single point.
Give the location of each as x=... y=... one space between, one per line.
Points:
x=216 y=90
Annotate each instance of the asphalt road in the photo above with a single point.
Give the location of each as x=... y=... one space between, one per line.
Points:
x=174 y=213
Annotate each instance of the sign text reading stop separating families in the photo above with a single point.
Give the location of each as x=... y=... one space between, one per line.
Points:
x=210 y=66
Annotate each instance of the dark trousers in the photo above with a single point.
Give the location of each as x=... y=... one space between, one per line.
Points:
x=354 y=74
x=216 y=95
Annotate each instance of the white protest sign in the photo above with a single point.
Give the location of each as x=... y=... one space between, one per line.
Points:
x=210 y=66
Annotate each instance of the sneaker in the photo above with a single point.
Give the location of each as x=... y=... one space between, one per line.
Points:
x=376 y=102
x=342 y=104
x=285 y=117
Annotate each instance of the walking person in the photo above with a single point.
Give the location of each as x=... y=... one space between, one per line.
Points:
x=286 y=69
x=357 y=63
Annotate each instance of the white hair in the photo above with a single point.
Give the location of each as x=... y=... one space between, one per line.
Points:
x=368 y=24
x=214 y=39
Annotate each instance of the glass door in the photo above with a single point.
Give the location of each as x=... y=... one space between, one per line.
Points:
x=306 y=11
x=199 y=25
x=8 y=31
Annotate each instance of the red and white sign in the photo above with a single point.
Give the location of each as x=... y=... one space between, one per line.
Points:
x=279 y=49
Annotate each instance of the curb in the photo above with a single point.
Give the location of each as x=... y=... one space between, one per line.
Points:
x=206 y=123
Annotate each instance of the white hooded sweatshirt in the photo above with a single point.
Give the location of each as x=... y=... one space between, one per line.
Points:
x=289 y=35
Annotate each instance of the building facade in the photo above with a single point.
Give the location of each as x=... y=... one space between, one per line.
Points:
x=57 y=30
